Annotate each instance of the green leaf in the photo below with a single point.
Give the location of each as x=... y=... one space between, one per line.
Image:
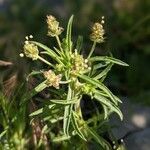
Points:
x=106 y=102
x=108 y=59
x=64 y=102
x=55 y=58
x=41 y=110
x=105 y=145
x=61 y=138
x=99 y=65
x=49 y=51
x=3 y=133
x=95 y=67
x=76 y=126
x=66 y=55
x=33 y=92
x=33 y=73
x=79 y=43
x=104 y=72
x=54 y=120
x=106 y=113
x=67 y=113
x=105 y=95
x=68 y=36
x=99 y=85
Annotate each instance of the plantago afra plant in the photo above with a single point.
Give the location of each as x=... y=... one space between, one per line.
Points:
x=72 y=79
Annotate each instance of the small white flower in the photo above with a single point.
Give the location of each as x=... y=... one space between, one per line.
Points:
x=27 y=38
x=26 y=42
x=31 y=36
x=86 y=60
x=21 y=55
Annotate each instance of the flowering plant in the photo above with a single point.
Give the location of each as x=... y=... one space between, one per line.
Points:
x=69 y=78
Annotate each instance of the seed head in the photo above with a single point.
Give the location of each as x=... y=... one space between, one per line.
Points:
x=52 y=79
x=31 y=50
x=53 y=26
x=98 y=32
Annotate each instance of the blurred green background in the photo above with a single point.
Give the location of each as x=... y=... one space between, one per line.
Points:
x=127 y=24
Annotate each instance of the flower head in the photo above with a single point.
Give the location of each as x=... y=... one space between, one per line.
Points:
x=52 y=79
x=31 y=50
x=79 y=64
x=98 y=32
x=53 y=26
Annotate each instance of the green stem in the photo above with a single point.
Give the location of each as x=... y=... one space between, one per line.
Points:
x=59 y=43
x=92 y=50
x=46 y=62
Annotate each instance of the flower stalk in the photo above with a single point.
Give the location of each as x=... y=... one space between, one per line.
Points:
x=92 y=50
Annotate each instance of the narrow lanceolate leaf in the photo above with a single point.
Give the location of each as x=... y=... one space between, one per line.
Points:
x=100 y=65
x=54 y=120
x=105 y=95
x=104 y=72
x=97 y=66
x=54 y=57
x=41 y=110
x=68 y=36
x=106 y=113
x=103 y=143
x=108 y=59
x=3 y=133
x=109 y=104
x=79 y=43
x=33 y=92
x=61 y=138
x=100 y=86
x=67 y=113
x=33 y=73
x=49 y=51
x=76 y=126
x=64 y=102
